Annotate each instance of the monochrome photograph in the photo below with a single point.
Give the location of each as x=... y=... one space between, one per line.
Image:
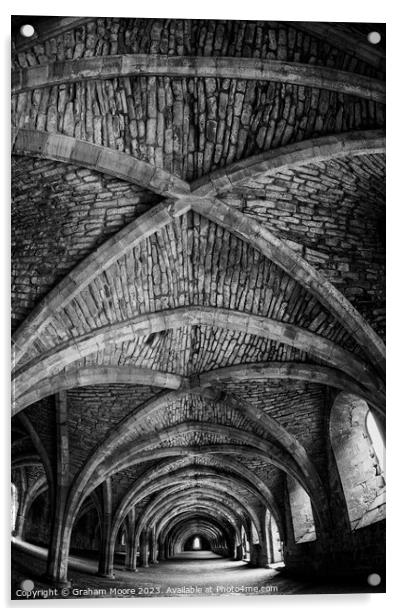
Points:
x=197 y=307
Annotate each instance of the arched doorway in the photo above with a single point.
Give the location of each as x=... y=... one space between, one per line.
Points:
x=195 y=543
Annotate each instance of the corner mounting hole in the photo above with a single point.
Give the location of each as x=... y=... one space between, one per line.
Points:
x=27 y=30
x=374 y=38
x=27 y=585
x=374 y=579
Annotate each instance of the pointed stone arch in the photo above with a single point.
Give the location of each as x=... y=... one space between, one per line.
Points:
x=144 y=325
x=93 y=375
x=129 y=65
x=97 y=465
x=241 y=225
x=59 y=147
x=178 y=479
x=161 y=507
x=317 y=149
x=164 y=469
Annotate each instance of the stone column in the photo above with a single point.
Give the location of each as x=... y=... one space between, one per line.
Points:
x=259 y=556
x=169 y=549
x=19 y=524
x=22 y=492
x=263 y=558
x=57 y=560
x=161 y=550
x=136 y=551
x=270 y=542
x=153 y=546
x=144 y=548
x=255 y=550
x=131 y=559
x=238 y=552
x=106 y=554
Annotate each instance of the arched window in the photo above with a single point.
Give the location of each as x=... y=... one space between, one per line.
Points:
x=359 y=453
x=274 y=543
x=14 y=506
x=302 y=513
x=377 y=442
x=245 y=545
x=196 y=543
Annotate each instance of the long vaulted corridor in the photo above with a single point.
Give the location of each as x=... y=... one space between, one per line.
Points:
x=187 y=574
x=198 y=306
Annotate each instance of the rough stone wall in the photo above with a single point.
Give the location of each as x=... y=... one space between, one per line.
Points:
x=124 y=480
x=300 y=409
x=86 y=534
x=27 y=474
x=359 y=546
x=22 y=446
x=349 y=552
x=193 y=350
x=191 y=262
x=42 y=417
x=357 y=464
x=94 y=411
x=190 y=127
x=273 y=41
x=38 y=521
x=269 y=473
x=333 y=214
x=60 y=214
x=305 y=558
x=363 y=548
x=302 y=514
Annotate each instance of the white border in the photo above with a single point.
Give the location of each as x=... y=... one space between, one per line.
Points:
x=294 y=10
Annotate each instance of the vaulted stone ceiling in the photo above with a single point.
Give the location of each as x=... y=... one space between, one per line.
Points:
x=198 y=255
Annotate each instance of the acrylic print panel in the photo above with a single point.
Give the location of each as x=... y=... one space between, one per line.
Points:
x=198 y=287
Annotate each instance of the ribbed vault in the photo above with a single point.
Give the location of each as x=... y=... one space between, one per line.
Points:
x=198 y=262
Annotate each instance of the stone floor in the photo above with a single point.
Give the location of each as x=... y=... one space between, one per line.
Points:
x=194 y=574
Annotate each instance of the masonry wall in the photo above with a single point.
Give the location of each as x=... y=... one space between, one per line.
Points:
x=363 y=547
x=349 y=553
x=70 y=211
x=86 y=533
x=333 y=214
x=305 y=558
x=37 y=523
